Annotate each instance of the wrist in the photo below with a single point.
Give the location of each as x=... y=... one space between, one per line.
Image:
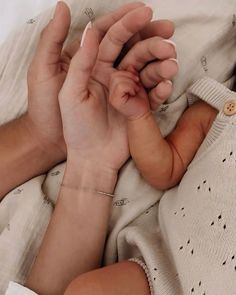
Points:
x=140 y=117
x=50 y=151
x=147 y=116
x=89 y=174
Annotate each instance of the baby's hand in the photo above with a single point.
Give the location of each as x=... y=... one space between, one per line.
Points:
x=127 y=94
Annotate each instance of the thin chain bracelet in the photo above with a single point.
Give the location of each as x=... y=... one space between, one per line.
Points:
x=86 y=189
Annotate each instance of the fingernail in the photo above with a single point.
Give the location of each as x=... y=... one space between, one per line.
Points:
x=89 y=26
x=137 y=79
x=170 y=42
x=174 y=59
x=150 y=6
x=169 y=82
x=56 y=9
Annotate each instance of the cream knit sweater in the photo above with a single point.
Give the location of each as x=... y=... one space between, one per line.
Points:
x=205 y=37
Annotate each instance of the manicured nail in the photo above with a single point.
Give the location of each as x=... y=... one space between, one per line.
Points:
x=57 y=9
x=170 y=42
x=169 y=82
x=89 y=26
x=174 y=59
x=150 y=6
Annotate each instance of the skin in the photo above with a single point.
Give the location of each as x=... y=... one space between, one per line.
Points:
x=121 y=278
x=63 y=87
x=40 y=139
x=77 y=226
x=161 y=161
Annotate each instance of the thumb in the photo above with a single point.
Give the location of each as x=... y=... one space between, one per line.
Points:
x=53 y=36
x=82 y=64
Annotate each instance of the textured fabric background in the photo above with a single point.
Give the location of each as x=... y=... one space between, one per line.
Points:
x=205 y=37
x=15 y=12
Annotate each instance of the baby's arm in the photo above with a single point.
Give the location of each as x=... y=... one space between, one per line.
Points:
x=162 y=162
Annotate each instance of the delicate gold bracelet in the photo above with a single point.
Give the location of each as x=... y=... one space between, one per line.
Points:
x=88 y=190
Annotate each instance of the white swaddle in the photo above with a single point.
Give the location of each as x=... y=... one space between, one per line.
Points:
x=206 y=45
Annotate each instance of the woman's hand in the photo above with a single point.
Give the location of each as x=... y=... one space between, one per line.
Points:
x=96 y=140
x=46 y=76
x=93 y=130
x=50 y=65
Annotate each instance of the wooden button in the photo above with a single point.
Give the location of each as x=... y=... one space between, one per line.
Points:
x=230 y=108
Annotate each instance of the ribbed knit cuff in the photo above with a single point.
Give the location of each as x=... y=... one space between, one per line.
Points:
x=216 y=95
x=140 y=262
x=210 y=91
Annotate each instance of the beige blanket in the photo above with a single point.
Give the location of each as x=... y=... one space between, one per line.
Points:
x=206 y=40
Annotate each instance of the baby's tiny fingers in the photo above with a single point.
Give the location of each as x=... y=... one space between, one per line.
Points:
x=121 y=91
x=160 y=94
x=127 y=87
x=120 y=78
x=125 y=75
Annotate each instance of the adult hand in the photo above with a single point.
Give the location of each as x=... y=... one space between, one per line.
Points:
x=50 y=65
x=93 y=129
x=46 y=76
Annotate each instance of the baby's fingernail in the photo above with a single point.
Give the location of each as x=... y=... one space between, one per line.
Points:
x=137 y=79
x=174 y=59
x=170 y=42
x=89 y=26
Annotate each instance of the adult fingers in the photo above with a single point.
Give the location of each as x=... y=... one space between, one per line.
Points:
x=161 y=28
x=82 y=65
x=158 y=71
x=148 y=50
x=103 y=24
x=160 y=94
x=121 y=32
x=52 y=37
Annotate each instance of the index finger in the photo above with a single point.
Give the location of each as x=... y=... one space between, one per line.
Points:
x=102 y=25
x=121 y=32
x=162 y=28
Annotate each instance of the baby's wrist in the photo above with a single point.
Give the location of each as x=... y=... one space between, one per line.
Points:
x=140 y=127
x=139 y=117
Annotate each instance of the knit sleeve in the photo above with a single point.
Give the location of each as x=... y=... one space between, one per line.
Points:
x=16 y=289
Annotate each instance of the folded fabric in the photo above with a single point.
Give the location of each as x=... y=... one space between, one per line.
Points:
x=205 y=38
x=16 y=289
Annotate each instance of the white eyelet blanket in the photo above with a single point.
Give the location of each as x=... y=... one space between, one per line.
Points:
x=206 y=42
